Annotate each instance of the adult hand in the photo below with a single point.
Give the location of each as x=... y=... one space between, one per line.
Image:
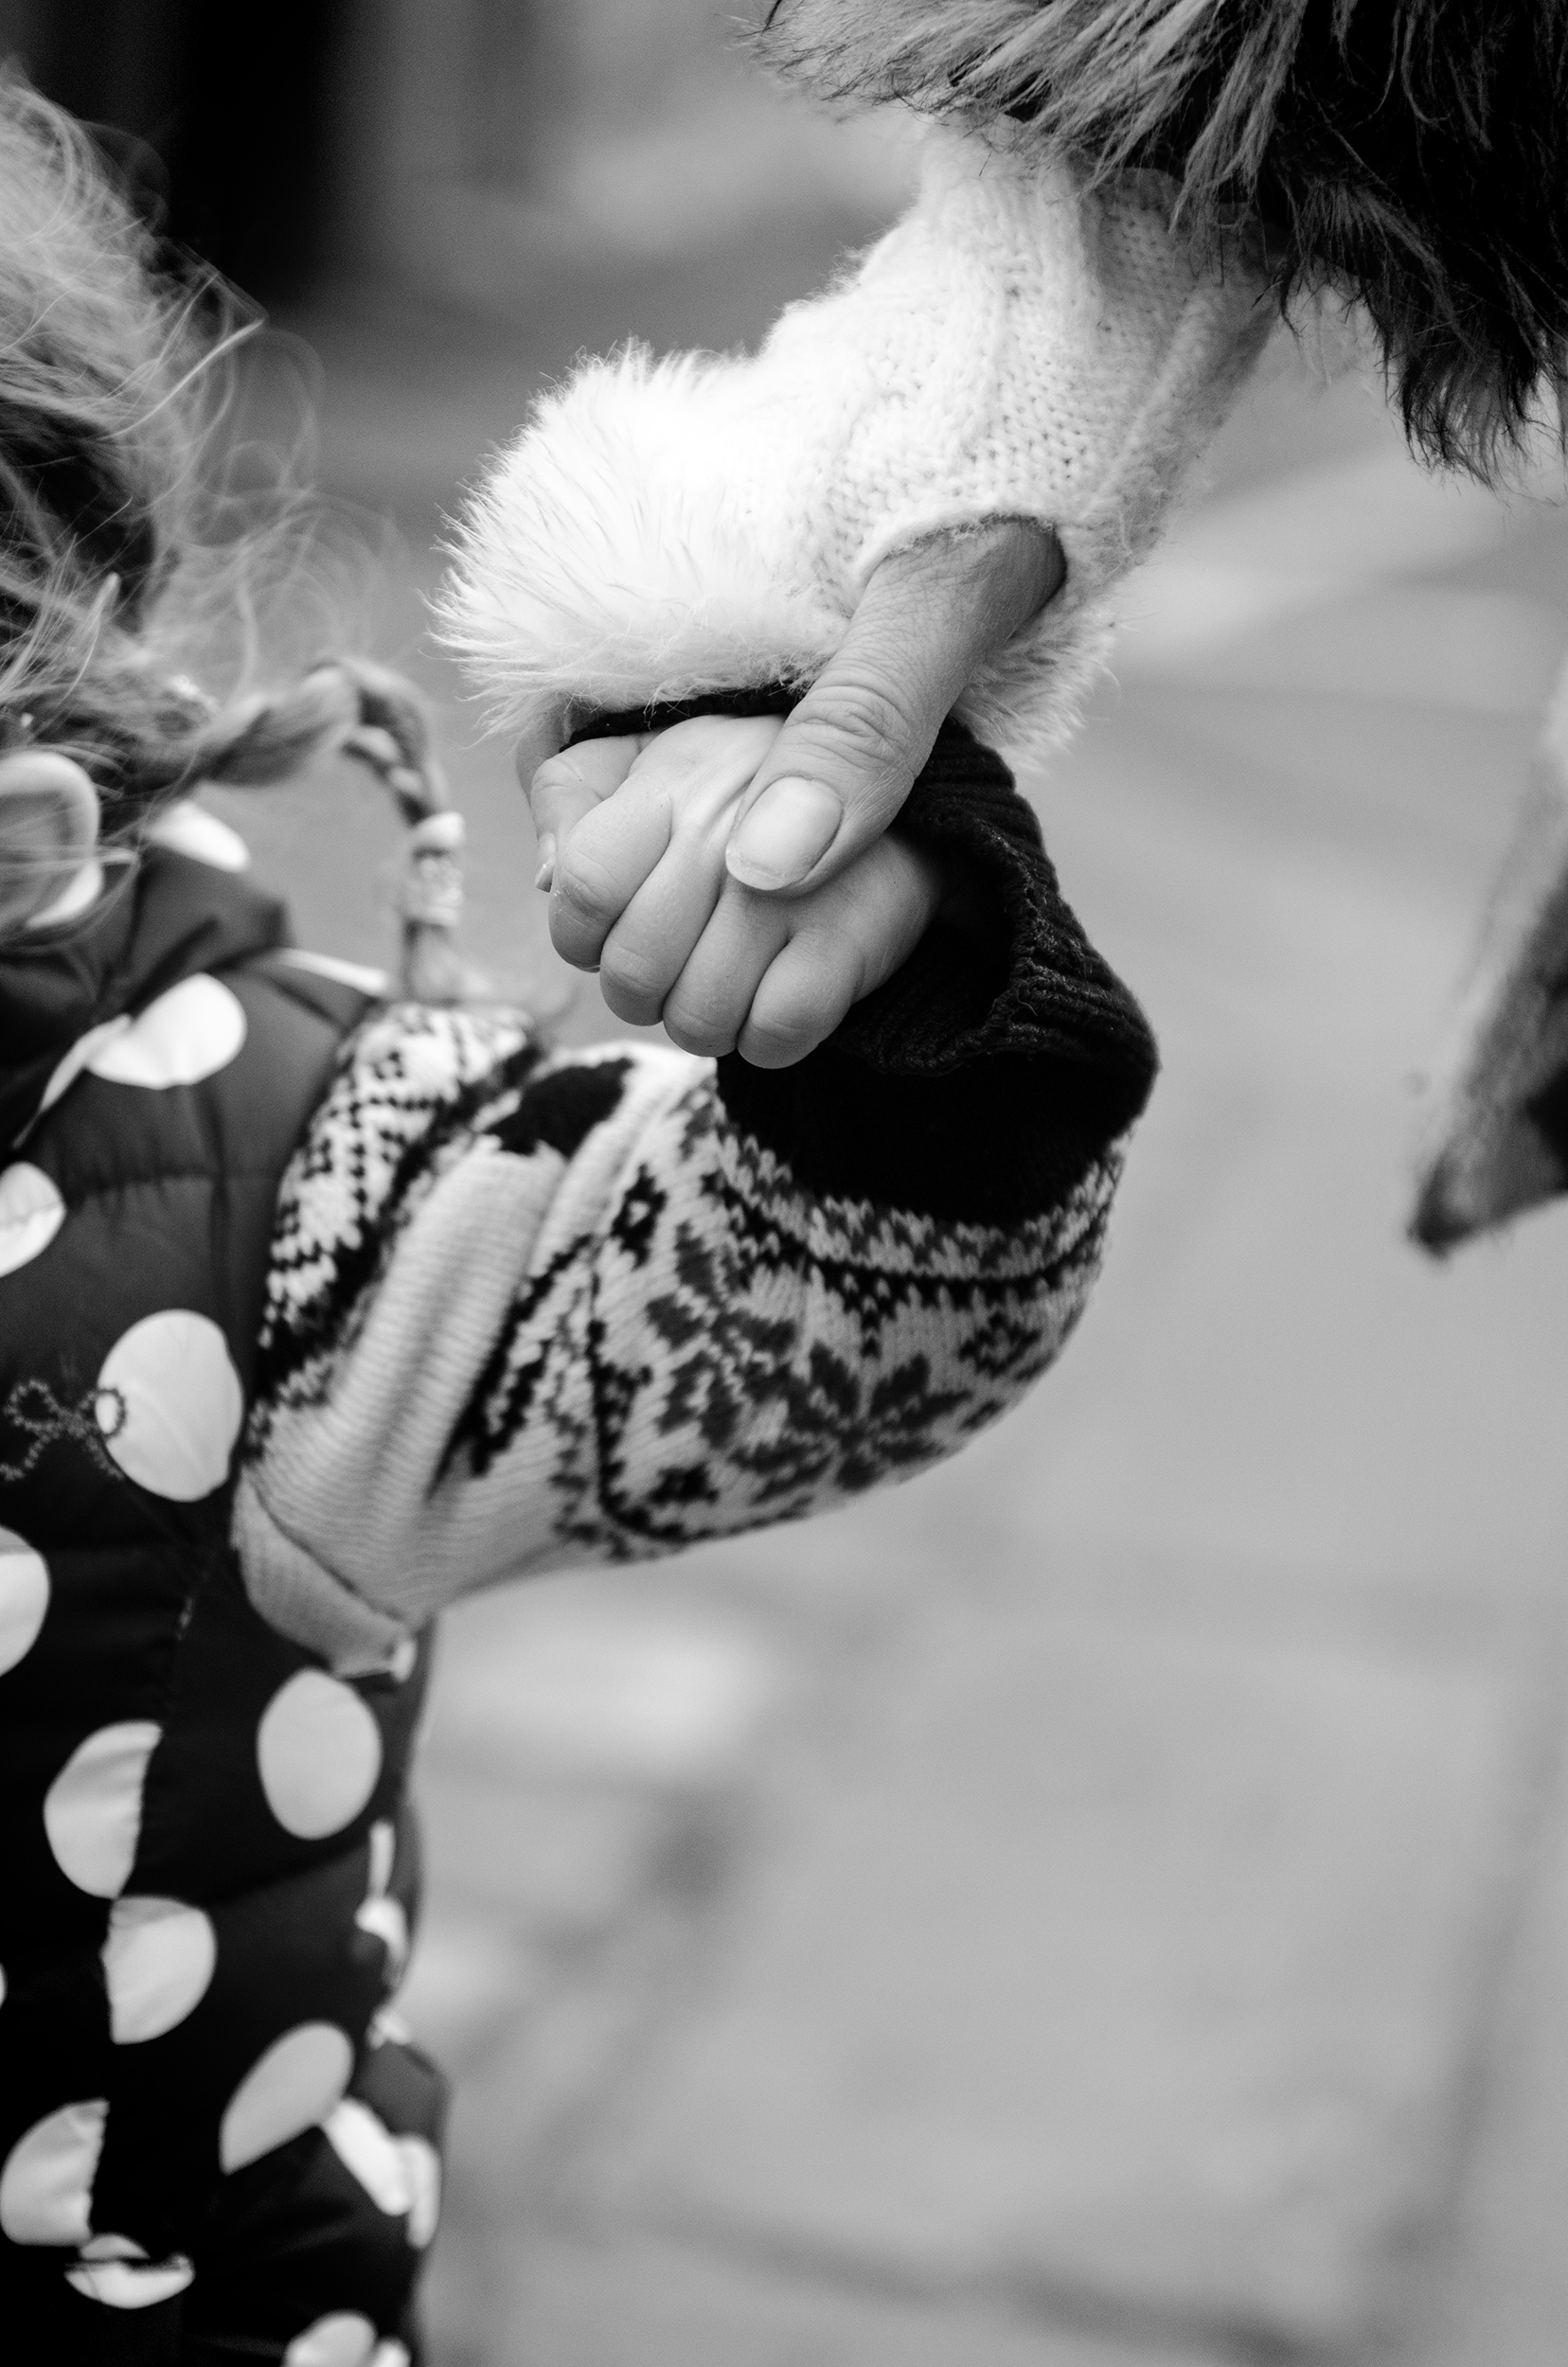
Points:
x=848 y=755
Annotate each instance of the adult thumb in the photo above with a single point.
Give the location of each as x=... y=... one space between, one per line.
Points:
x=848 y=755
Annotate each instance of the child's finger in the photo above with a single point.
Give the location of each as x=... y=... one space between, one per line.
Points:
x=570 y=784
x=703 y=766
x=842 y=942
x=600 y=863
x=803 y=995
x=707 y=1007
x=651 y=942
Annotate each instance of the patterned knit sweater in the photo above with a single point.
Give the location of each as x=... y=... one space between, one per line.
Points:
x=527 y=1308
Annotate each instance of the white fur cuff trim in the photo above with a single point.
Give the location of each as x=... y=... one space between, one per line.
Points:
x=1013 y=347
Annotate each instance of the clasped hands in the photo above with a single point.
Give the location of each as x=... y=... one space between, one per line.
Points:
x=738 y=878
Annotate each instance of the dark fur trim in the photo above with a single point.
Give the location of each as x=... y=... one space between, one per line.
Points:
x=1411 y=156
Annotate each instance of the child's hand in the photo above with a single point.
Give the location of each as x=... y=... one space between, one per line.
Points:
x=639 y=891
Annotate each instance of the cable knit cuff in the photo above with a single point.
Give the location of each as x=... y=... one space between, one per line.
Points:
x=982 y=1081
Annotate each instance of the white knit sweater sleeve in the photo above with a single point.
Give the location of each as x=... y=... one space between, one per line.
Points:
x=1013 y=347
x=525 y=1310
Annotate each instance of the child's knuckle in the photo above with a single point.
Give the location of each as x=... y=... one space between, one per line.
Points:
x=554 y=774
x=587 y=884
x=631 y=977
x=698 y=1025
x=685 y=1036
x=774 y=1044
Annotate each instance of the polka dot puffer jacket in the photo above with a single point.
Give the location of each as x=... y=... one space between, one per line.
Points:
x=209 y=1875
x=316 y=1312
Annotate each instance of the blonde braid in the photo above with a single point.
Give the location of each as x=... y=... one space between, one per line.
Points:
x=351 y=707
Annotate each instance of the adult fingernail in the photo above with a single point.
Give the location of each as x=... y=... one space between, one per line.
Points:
x=545 y=877
x=791 y=826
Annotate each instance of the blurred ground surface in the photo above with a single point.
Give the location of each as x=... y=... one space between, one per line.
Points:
x=1106 y=1903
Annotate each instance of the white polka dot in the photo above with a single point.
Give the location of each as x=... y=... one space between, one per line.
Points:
x=79 y=895
x=92 y=1811
x=31 y=1213
x=295 y=2085
x=2 y=1984
x=383 y=1853
x=385 y=1920
x=343 y=2339
x=80 y=1054
x=392 y=2355
x=117 y=2273
x=46 y=2185
x=191 y=1032
x=188 y=829
x=24 y=1598
x=169 y=1404
x=319 y=1750
x=382 y=1918
x=157 y=1962
x=423 y=2165
x=364 y=2147
x=365 y=980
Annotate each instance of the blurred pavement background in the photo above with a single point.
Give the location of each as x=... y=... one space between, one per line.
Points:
x=1106 y=1904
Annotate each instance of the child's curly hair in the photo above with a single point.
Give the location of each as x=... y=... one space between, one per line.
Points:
x=1410 y=155
x=110 y=392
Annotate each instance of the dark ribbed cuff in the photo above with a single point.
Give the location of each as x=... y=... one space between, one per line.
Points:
x=982 y=1081
x=631 y=722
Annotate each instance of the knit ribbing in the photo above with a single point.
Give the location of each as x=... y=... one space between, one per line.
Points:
x=997 y=1065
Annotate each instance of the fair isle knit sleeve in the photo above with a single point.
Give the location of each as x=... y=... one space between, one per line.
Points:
x=529 y=1308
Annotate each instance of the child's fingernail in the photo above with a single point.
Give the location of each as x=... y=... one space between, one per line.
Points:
x=791 y=826
x=545 y=877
